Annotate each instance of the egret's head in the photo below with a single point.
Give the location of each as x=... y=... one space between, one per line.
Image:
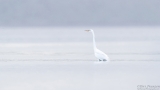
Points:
x=89 y=30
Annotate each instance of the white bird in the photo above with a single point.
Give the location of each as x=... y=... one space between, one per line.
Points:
x=99 y=54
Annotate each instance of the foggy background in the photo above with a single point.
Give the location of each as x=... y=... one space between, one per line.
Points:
x=26 y=13
x=43 y=45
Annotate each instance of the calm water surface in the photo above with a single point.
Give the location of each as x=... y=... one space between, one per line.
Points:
x=55 y=44
x=63 y=59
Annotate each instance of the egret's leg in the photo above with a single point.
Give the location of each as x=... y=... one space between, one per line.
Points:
x=104 y=60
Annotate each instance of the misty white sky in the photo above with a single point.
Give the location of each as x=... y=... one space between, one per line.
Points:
x=79 y=12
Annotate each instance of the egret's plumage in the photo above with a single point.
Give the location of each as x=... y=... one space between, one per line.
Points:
x=99 y=54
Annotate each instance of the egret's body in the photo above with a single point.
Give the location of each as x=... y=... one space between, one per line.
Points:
x=99 y=54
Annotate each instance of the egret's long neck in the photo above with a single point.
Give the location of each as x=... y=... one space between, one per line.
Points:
x=94 y=43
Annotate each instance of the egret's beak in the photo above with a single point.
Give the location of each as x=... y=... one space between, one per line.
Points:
x=87 y=30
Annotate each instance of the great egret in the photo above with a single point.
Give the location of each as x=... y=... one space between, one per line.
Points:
x=99 y=54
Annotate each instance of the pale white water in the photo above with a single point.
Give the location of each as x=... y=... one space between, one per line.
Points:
x=62 y=58
x=117 y=51
x=51 y=75
x=123 y=43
